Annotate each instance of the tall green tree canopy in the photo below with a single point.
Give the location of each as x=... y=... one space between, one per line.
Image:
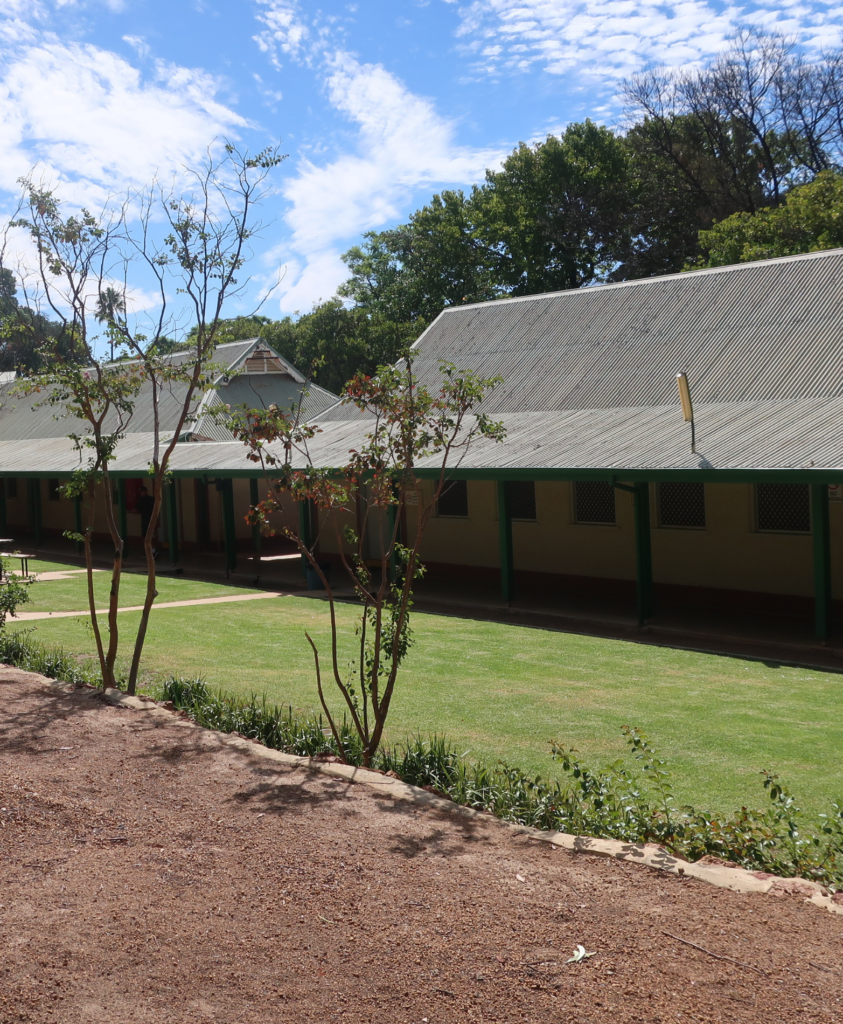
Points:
x=809 y=220
x=559 y=214
x=26 y=337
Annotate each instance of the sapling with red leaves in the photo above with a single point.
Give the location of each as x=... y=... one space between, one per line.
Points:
x=402 y=423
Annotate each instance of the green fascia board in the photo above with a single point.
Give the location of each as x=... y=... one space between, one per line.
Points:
x=684 y=475
x=792 y=476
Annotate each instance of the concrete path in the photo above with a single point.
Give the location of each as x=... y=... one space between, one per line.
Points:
x=61 y=574
x=29 y=616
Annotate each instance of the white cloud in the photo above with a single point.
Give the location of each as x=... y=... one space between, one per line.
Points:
x=85 y=117
x=139 y=45
x=402 y=144
x=286 y=33
x=610 y=39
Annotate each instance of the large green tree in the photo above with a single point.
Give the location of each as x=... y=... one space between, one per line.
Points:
x=590 y=205
x=809 y=220
x=559 y=214
x=410 y=273
x=26 y=337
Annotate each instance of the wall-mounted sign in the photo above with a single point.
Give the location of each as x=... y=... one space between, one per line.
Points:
x=835 y=492
x=411 y=497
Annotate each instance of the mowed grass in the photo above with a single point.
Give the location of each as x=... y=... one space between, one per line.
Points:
x=505 y=692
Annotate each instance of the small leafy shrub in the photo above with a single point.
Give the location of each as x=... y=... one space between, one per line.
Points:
x=14 y=591
x=20 y=650
x=635 y=803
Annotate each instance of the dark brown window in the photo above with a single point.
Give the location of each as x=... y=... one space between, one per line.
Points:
x=783 y=508
x=594 y=501
x=453 y=501
x=682 y=505
x=11 y=487
x=521 y=495
x=53 y=492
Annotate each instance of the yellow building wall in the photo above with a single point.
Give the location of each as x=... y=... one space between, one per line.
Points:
x=729 y=553
x=553 y=543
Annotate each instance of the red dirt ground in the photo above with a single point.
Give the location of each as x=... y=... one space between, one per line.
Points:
x=149 y=873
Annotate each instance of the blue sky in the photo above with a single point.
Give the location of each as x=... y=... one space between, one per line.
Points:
x=378 y=103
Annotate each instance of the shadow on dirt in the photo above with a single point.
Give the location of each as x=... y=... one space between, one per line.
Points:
x=39 y=719
x=27 y=722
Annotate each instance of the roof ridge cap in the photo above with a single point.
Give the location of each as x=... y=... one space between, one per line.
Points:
x=643 y=281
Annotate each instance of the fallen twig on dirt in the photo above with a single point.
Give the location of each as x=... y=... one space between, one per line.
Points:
x=717 y=956
x=820 y=967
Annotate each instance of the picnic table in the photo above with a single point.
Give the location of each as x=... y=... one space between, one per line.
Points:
x=24 y=560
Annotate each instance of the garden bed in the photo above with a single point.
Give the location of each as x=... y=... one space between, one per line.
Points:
x=151 y=872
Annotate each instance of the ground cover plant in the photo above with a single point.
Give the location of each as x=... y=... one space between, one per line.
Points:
x=21 y=650
x=505 y=692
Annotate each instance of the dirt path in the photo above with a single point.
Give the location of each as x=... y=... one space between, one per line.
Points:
x=29 y=616
x=149 y=873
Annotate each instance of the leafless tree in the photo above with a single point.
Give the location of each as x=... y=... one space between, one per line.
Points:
x=87 y=268
x=756 y=120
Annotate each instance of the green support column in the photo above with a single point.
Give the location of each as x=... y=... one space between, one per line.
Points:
x=229 y=529
x=256 y=530
x=203 y=514
x=77 y=522
x=3 y=517
x=822 y=561
x=305 y=531
x=643 y=554
x=391 y=516
x=35 y=509
x=173 y=520
x=505 y=542
x=122 y=512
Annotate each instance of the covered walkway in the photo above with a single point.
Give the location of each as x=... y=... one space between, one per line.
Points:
x=781 y=639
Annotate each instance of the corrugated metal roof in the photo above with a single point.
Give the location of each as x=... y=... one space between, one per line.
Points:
x=24 y=417
x=795 y=434
x=589 y=380
x=753 y=332
x=788 y=434
x=27 y=417
x=801 y=434
x=259 y=391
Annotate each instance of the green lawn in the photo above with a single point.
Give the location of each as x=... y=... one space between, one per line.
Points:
x=39 y=565
x=72 y=594
x=506 y=691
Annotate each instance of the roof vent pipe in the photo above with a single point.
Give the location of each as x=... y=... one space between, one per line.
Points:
x=687 y=407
